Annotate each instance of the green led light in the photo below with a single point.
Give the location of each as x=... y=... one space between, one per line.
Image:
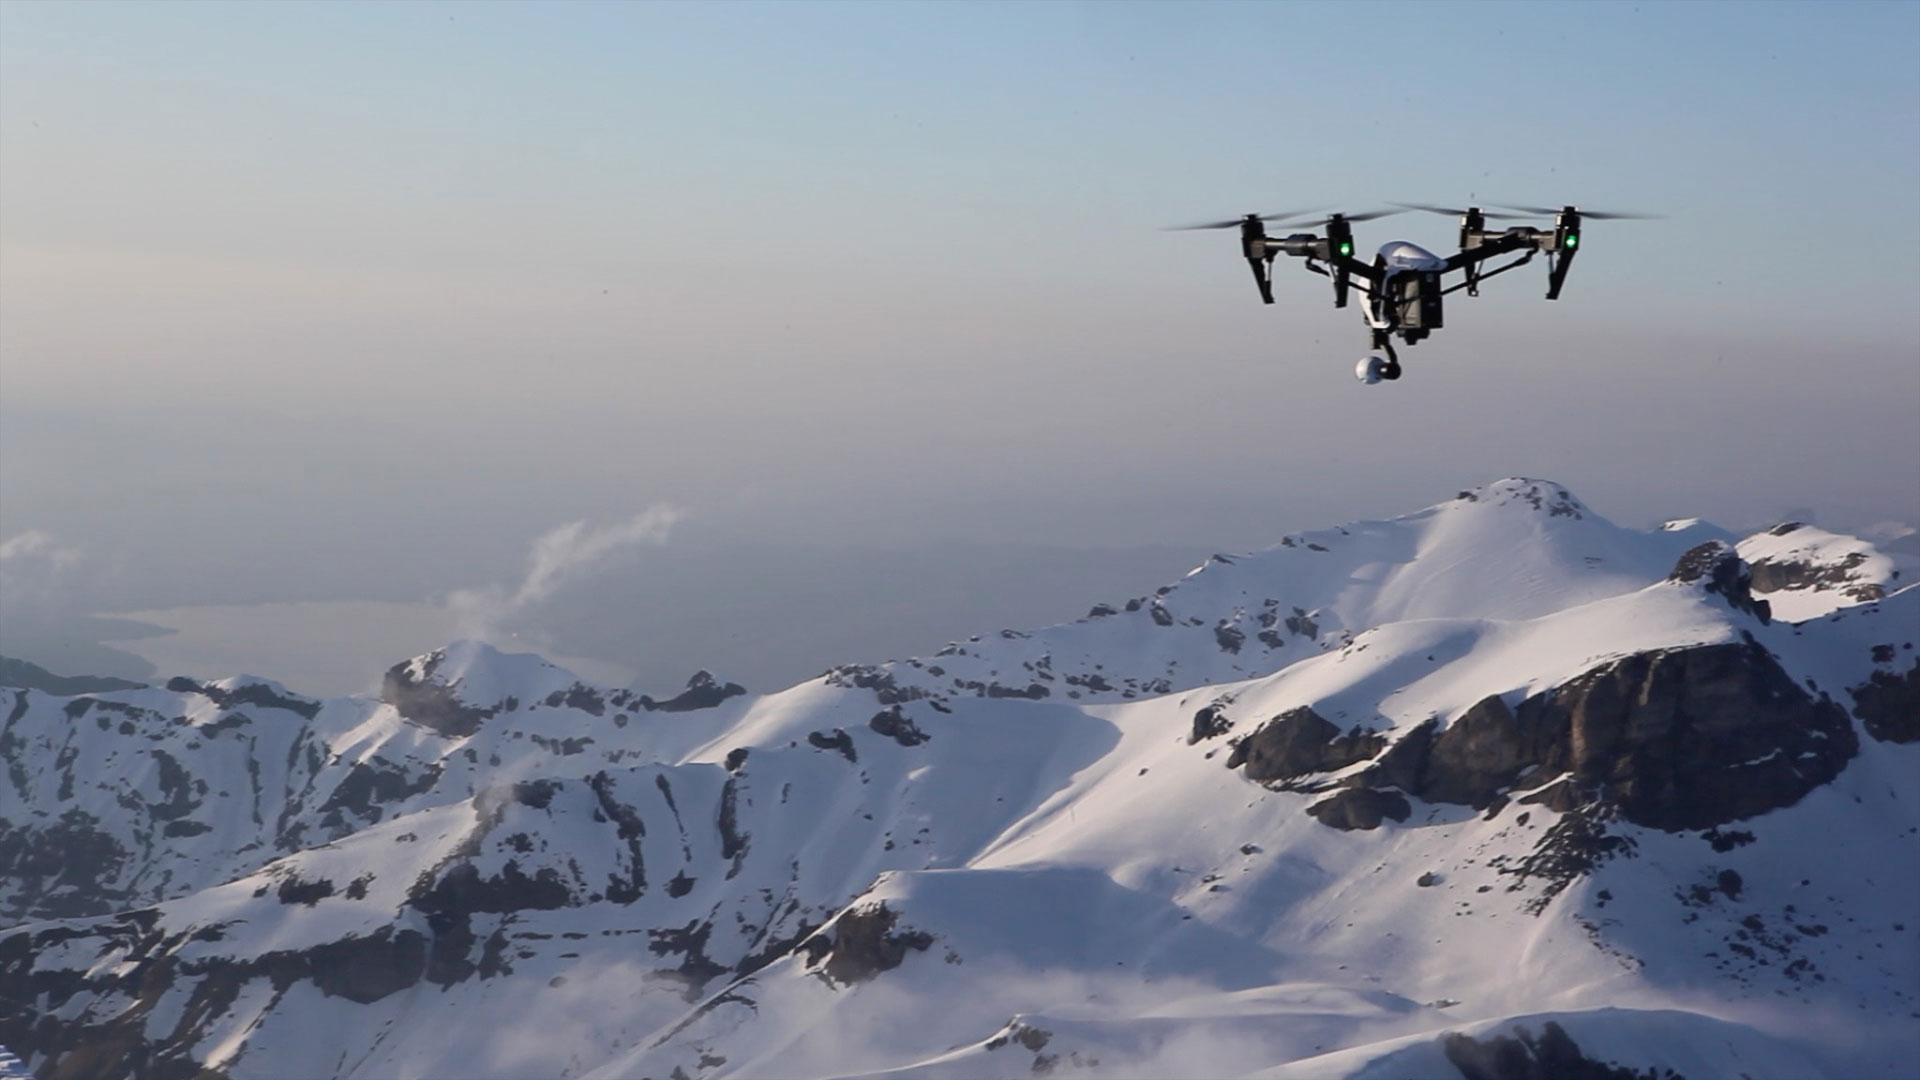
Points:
x=1573 y=241
x=1346 y=248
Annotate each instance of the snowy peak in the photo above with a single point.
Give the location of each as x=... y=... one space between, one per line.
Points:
x=1806 y=572
x=1513 y=550
x=451 y=691
x=1494 y=782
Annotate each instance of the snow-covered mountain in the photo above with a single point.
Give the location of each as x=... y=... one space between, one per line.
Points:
x=1497 y=789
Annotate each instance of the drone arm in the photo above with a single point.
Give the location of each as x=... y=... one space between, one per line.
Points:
x=1492 y=248
x=1365 y=284
x=1521 y=261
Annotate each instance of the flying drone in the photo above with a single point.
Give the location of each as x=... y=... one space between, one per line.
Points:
x=1404 y=283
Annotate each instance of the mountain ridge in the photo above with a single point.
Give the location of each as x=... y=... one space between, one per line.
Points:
x=1564 y=777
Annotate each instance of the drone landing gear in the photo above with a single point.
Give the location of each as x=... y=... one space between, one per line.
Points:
x=1374 y=369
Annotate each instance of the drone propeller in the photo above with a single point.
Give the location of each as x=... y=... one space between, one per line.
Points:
x=1593 y=215
x=1235 y=223
x=1449 y=211
x=1350 y=218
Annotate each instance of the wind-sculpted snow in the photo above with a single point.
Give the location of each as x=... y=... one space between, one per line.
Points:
x=1494 y=786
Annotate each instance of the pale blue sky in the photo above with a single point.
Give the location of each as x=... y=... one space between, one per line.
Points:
x=892 y=272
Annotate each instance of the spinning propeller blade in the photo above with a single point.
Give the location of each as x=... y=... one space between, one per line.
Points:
x=1350 y=218
x=1594 y=215
x=1449 y=211
x=1235 y=223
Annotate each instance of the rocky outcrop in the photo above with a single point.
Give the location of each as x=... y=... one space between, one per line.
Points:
x=1553 y=1055
x=703 y=692
x=1888 y=705
x=433 y=705
x=1297 y=742
x=1674 y=739
x=1360 y=808
x=1720 y=570
x=898 y=726
x=1839 y=574
x=863 y=944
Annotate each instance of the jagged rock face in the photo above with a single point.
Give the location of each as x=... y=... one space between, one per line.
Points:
x=430 y=704
x=1721 y=570
x=703 y=692
x=1360 y=808
x=1694 y=738
x=863 y=943
x=1676 y=739
x=1300 y=741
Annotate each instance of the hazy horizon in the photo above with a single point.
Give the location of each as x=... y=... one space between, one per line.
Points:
x=357 y=303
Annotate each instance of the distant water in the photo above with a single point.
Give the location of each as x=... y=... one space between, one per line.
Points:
x=325 y=649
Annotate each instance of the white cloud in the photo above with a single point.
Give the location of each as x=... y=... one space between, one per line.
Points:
x=33 y=568
x=564 y=555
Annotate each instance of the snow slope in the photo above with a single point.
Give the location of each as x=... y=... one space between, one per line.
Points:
x=1497 y=781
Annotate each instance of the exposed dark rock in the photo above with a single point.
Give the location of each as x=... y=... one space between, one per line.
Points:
x=254 y=693
x=1889 y=705
x=1728 y=840
x=434 y=705
x=896 y=725
x=1019 y=1034
x=1560 y=796
x=1521 y=1056
x=364 y=970
x=885 y=687
x=690 y=943
x=1571 y=848
x=1210 y=722
x=1481 y=753
x=371 y=788
x=1770 y=575
x=703 y=692
x=839 y=740
x=736 y=759
x=578 y=696
x=1678 y=739
x=733 y=842
x=119 y=1042
x=864 y=944
x=629 y=828
x=1031 y=692
x=1724 y=573
x=295 y=891
x=1297 y=742
x=176 y=787
x=64 y=870
x=459 y=893
x=1229 y=637
x=564 y=747
x=1360 y=808
x=1161 y=616
x=1730 y=883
